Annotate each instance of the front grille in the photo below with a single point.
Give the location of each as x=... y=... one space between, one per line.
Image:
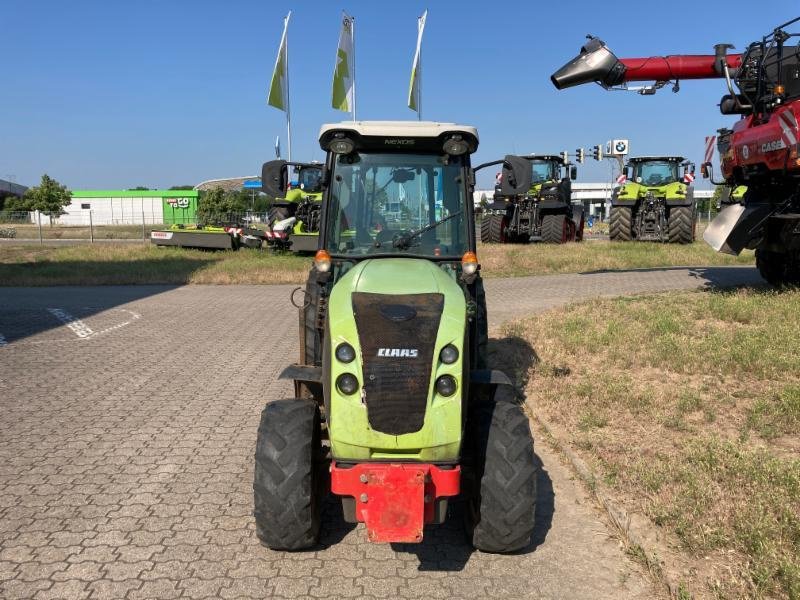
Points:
x=397 y=334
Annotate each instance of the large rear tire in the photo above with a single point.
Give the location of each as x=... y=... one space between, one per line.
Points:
x=486 y=234
x=287 y=481
x=501 y=509
x=555 y=229
x=778 y=268
x=498 y=229
x=681 y=225
x=620 y=224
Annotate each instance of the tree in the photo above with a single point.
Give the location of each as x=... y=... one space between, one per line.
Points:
x=182 y=187
x=138 y=188
x=49 y=197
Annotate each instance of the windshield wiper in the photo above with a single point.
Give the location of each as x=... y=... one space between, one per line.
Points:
x=403 y=240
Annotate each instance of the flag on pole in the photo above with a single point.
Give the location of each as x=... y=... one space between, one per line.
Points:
x=279 y=86
x=344 y=71
x=416 y=68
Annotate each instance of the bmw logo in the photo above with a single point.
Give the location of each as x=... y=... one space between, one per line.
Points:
x=620 y=147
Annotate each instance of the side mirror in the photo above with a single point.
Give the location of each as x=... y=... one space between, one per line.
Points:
x=704 y=170
x=573 y=172
x=516 y=176
x=274 y=178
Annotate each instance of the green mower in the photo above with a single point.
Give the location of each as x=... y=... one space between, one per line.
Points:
x=396 y=412
x=654 y=203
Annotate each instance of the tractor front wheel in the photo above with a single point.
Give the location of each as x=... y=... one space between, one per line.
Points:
x=681 y=225
x=501 y=508
x=620 y=224
x=288 y=483
x=779 y=269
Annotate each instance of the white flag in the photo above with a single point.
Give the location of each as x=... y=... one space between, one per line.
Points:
x=279 y=86
x=344 y=71
x=416 y=67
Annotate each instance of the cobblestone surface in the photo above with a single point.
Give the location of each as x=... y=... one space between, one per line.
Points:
x=127 y=428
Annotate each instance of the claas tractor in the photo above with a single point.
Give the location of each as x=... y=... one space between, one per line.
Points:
x=543 y=213
x=295 y=196
x=395 y=412
x=655 y=201
x=759 y=154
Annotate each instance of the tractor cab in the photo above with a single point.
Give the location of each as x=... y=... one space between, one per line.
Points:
x=656 y=171
x=393 y=399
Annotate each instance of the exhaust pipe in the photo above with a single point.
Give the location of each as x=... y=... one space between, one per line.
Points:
x=595 y=63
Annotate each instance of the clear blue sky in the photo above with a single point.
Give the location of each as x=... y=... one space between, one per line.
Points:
x=103 y=94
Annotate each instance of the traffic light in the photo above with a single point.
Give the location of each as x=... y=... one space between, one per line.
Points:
x=565 y=156
x=580 y=155
x=597 y=152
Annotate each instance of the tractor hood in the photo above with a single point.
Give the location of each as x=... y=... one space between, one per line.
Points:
x=397 y=314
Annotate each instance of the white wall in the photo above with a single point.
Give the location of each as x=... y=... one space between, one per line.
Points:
x=113 y=211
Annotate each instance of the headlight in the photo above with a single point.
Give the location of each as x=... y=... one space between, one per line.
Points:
x=449 y=354
x=446 y=385
x=345 y=353
x=347 y=384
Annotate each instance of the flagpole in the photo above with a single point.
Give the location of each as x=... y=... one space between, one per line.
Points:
x=288 y=111
x=353 y=40
x=419 y=78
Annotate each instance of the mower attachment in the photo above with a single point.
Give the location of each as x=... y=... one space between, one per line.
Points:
x=395 y=500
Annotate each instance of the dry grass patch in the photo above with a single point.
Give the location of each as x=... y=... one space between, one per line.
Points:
x=515 y=260
x=118 y=264
x=687 y=405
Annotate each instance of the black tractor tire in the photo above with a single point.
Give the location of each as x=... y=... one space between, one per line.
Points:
x=777 y=268
x=620 y=224
x=485 y=229
x=580 y=230
x=501 y=508
x=288 y=479
x=681 y=225
x=498 y=229
x=555 y=229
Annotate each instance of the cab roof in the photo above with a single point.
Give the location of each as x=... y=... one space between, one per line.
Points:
x=554 y=157
x=647 y=158
x=382 y=132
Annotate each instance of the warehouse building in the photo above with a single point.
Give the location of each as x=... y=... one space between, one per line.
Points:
x=130 y=207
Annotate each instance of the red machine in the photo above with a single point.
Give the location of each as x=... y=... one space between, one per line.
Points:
x=761 y=151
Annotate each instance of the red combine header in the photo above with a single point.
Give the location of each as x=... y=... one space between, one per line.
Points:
x=760 y=151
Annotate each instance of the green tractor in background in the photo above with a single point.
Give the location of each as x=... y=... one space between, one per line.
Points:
x=395 y=411
x=295 y=193
x=544 y=213
x=655 y=203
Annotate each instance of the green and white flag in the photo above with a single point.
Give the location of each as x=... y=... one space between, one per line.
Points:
x=279 y=86
x=343 y=97
x=416 y=69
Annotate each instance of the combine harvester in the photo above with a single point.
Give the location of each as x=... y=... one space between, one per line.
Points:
x=760 y=151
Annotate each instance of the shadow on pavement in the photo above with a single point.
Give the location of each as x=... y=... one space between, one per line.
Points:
x=740 y=275
x=24 y=310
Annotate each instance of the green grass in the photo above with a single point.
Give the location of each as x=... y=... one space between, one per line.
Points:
x=687 y=405
x=140 y=264
x=107 y=264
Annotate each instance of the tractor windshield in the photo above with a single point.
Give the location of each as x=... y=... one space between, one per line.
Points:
x=411 y=204
x=309 y=179
x=656 y=172
x=543 y=170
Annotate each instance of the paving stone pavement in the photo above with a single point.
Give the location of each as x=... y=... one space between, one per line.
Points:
x=127 y=427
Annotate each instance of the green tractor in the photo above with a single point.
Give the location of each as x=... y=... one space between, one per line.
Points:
x=654 y=202
x=296 y=199
x=544 y=213
x=395 y=411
